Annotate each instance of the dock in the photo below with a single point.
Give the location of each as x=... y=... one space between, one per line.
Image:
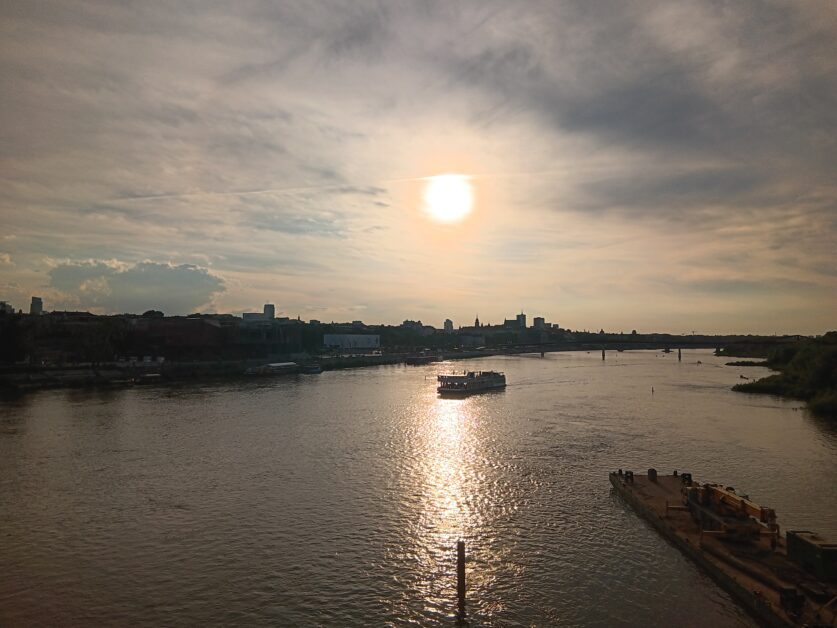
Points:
x=738 y=543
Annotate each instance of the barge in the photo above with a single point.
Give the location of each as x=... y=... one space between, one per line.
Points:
x=789 y=581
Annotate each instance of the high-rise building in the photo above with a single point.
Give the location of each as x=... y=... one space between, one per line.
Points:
x=37 y=306
x=5 y=308
x=521 y=320
x=269 y=311
x=538 y=322
x=448 y=326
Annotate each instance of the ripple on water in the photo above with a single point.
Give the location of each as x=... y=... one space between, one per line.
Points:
x=338 y=500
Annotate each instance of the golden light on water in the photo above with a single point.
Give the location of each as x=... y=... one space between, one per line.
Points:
x=448 y=466
x=445 y=467
x=448 y=198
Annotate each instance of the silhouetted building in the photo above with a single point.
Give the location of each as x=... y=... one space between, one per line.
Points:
x=352 y=341
x=5 y=308
x=448 y=326
x=37 y=306
x=521 y=320
x=539 y=323
x=472 y=340
x=268 y=313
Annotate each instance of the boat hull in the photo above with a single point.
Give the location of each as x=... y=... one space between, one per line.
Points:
x=448 y=392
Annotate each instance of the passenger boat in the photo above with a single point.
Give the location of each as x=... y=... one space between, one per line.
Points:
x=470 y=382
x=790 y=581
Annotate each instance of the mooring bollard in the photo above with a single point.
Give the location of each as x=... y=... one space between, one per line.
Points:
x=460 y=578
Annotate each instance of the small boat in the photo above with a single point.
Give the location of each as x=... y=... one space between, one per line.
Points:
x=470 y=382
x=312 y=369
x=148 y=378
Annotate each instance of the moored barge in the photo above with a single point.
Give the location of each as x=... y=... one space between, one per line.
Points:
x=782 y=581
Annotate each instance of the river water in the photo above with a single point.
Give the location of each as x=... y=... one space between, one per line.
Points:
x=337 y=499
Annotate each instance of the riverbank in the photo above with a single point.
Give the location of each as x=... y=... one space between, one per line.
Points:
x=807 y=370
x=748 y=363
x=21 y=378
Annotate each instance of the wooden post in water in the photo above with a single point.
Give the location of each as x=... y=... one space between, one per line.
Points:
x=603 y=353
x=460 y=579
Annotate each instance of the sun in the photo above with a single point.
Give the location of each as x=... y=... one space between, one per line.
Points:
x=448 y=197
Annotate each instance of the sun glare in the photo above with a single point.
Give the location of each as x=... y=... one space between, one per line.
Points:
x=448 y=197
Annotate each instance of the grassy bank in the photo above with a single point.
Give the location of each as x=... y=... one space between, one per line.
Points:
x=807 y=370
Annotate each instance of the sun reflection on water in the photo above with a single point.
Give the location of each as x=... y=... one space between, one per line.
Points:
x=446 y=478
x=446 y=468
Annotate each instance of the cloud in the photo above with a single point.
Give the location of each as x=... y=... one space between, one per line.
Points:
x=680 y=196
x=283 y=145
x=135 y=288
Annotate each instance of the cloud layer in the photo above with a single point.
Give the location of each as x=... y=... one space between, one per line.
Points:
x=135 y=288
x=662 y=165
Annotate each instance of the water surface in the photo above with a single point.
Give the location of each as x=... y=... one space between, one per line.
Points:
x=337 y=499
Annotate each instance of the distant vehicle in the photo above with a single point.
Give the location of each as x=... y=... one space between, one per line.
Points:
x=470 y=382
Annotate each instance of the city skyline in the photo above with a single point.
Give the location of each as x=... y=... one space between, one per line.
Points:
x=662 y=167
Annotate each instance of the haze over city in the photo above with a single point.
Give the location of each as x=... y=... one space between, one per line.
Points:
x=661 y=166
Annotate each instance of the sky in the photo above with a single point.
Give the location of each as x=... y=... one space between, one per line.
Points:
x=659 y=166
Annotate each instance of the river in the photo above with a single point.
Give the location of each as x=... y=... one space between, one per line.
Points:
x=337 y=499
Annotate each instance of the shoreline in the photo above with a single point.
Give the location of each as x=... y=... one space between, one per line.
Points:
x=806 y=371
x=22 y=379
